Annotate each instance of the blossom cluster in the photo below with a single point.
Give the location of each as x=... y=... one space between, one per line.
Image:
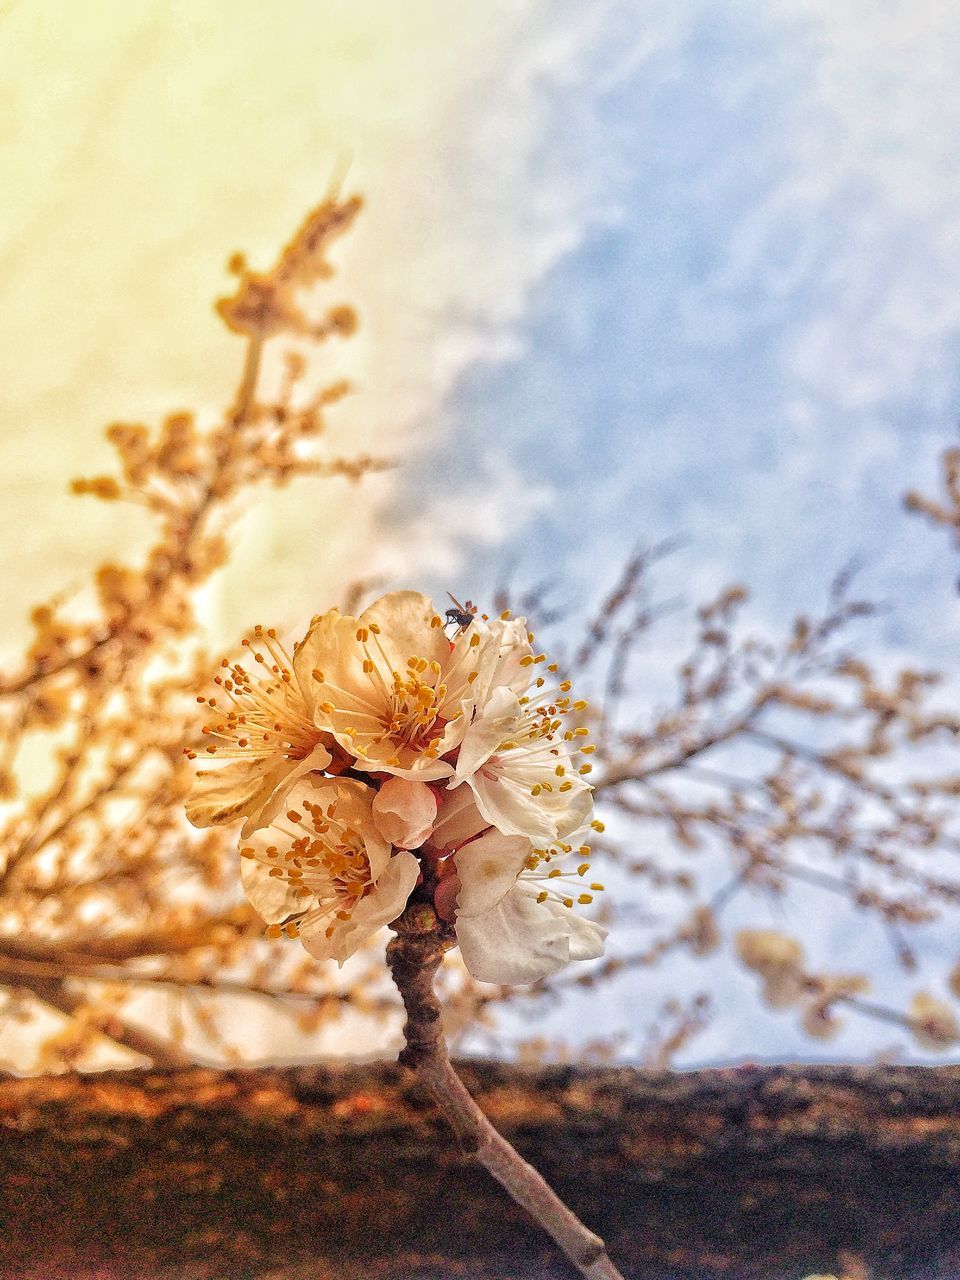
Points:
x=399 y=753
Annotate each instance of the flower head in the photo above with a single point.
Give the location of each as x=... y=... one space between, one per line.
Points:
x=323 y=873
x=263 y=722
x=515 y=919
x=390 y=687
x=518 y=759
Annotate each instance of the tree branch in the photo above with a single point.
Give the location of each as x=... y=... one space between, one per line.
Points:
x=159 y=1050
x=414 y=956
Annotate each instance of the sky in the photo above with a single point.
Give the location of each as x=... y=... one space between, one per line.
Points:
x=627 y=270
x=752 y=343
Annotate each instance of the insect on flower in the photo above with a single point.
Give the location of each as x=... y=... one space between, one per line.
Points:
x=461 y=614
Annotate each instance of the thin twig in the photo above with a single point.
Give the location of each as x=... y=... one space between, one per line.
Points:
x=414 y=956
x=157 y=1048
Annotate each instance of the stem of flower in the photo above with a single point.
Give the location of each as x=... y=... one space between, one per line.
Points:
x=414 y=956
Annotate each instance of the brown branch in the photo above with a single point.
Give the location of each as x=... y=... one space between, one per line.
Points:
x=172 y=940
x=631 y=771
x=18 y=971
x=39 y=839
x=191 y=530
x=160 y=1051
x=249 y=379
x=43 y=671
x=414 y=956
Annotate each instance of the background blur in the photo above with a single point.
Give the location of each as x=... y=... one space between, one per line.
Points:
x=626 y=271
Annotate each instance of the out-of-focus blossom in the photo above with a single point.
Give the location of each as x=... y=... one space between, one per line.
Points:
x=934 y=1022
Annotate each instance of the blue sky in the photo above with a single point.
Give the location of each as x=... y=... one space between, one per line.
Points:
x=751 y=341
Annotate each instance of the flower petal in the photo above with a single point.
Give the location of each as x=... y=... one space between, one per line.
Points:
x=285 y=776
x=510 y=807
x=354 y=800
x=381 y=757
x=330 y=650
x=523 y=940
x=383 y=905
x=457 y=821
x=405 y=619
x=248 y=788
x=220 y=795
x=270 y=897
x=488 y=868
x=513 y=646
x=469 y=667
x=494 y=724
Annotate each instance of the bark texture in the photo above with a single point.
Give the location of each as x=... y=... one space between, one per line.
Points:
x=338 y=1173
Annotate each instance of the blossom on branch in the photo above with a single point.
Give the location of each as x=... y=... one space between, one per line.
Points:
x=393 y=691
x=520 y=767
x=387 y=759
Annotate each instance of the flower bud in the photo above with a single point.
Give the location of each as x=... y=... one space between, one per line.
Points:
x=404 y=812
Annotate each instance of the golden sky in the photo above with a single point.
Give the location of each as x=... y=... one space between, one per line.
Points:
x=140 y=143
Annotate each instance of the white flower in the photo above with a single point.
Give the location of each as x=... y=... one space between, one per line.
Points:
x=323 y=872
x=392 y=696
x=515 y=920
x=393 y=690
x=514 y=666
x=265 y=725
x=515 y=757
x=523 y=939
